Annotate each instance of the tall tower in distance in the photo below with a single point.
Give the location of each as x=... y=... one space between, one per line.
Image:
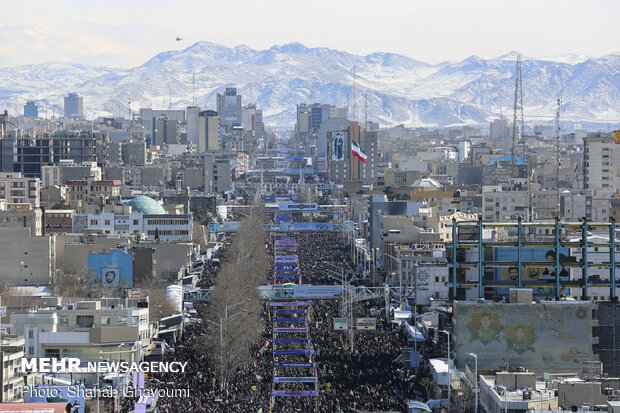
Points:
x=74 y=105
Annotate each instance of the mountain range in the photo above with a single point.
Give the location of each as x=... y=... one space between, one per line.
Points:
x=384 y=87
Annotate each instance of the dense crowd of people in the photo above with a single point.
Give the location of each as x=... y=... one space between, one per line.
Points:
x=364 y=378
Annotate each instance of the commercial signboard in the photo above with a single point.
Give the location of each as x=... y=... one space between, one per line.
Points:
x=341 y=323
x=366 y=323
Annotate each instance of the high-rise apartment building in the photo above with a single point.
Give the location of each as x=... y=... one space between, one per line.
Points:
x=229 y=107
x=208 y=131
x=74 y=105
x=498 y=129
x=601 y=163
x=166 y=131
x=191 y=124
x=149 y=118
x=31 y=110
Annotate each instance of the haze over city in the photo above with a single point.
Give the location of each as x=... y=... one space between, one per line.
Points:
x=125 y=34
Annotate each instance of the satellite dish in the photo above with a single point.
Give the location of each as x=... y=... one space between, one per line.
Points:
x=179 y=38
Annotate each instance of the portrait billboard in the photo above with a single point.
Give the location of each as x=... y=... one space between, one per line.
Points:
x=230 y=107
x=338 y=146
x=532 y=274
x=538 y=336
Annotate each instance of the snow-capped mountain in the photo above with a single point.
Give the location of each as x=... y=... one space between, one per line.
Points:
x=390 y=88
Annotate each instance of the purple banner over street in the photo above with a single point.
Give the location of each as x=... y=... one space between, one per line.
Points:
x=294 y=379
x=290 y=330
x=290 y=319
x=289 y=303
x=291 y=340
x=308 y=365
x=293 y=393
x=290 y=311
x=289 y=352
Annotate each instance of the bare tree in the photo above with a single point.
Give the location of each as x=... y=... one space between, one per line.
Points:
x=233 y=317
x=463 y=400
x=80 y=286
x=159 y=305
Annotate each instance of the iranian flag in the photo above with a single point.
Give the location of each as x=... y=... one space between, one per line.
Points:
x=358 y=152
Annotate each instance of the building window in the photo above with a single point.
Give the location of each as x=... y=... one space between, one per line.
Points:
x=63 y=320
x=107 y=222
x=85 y=321
x=121 y=320
x=30 y=334
x=106 y=320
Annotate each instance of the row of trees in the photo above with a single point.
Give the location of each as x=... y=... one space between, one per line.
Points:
x=234 y=312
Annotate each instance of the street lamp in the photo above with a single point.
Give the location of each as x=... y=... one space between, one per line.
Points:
x=449 y=378
x=475 y=356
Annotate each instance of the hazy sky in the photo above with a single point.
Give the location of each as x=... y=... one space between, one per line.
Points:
x=129 y=32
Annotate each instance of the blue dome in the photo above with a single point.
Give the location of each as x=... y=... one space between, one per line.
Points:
x=146 y=205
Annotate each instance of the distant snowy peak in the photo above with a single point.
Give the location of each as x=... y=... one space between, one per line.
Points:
x=395 y=88
x=570 y=58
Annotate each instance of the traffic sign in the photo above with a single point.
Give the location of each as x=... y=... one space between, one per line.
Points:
x=341 y=323
x=366 y=323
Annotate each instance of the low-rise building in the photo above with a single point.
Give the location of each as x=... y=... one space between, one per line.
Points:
x=21 y=215
x=11 y=378
x=58 y=221
x=90 y=191
x=16 y=189
x=89 y=330
x=515 y=392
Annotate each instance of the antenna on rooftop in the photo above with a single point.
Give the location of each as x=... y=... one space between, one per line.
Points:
x=518 y=106
x=558 y=149
x=366 y=111
x=354 y=112
x=193 y=89
x=169 y=96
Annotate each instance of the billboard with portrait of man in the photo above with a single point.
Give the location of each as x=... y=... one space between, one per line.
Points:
x=338 y=148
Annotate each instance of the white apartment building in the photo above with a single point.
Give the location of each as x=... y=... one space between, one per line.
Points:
x=109 y=328
x=601 y=163
x=498 y=205
x=162 y=226
x=10 y=368
x=15 y=189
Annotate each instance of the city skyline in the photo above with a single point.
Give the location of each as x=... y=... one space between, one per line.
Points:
x=117 y=34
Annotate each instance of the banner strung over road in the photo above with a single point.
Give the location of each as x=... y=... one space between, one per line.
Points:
x=300 y=291
x=294 y=379
x=292 y=206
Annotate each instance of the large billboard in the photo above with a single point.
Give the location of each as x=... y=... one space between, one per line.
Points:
x=538 y=336
x=532 y=255
x=338 y=146
x=230 y=104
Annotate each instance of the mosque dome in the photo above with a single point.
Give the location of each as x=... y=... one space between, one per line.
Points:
x=146 y=205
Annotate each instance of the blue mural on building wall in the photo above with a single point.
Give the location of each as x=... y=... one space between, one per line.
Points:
x=113 y=269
